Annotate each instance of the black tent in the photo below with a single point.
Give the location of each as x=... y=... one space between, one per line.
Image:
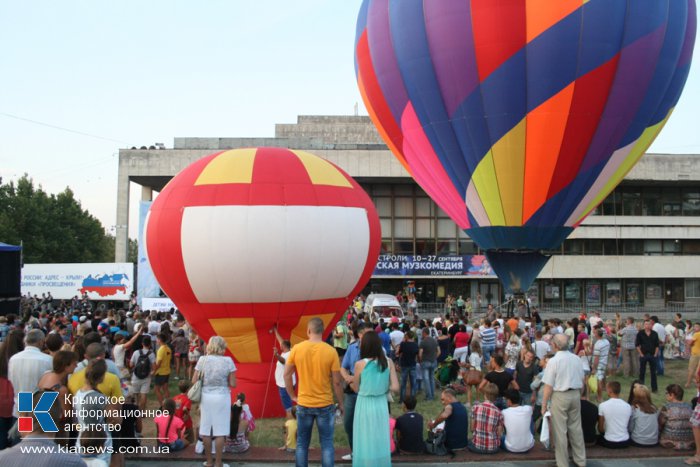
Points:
x=10 y=277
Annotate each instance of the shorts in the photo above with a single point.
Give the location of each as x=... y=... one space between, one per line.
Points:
x=160 y=380
x=341 y=352
x=284 y=397
x=193 y=356
x=600 y=374
x=695 y=418
x=140 y=386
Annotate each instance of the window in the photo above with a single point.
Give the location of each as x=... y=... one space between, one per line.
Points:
x=446 y=228
x=672 y=247
x=572 y=291
x=633 y=294
x=671 y=202
x=403 y=190
x=610 y=248
x=632 y=203
x=403 y=228
x=385 y=247
x=467 y=247
x=593 y=247
x=692 y=288
x=690 y=247
x=633 y=247
x=424 y=228
x=651 y=205
x=424 y=207
x=652 y=247
x=425 y=246
x=593 y=293
x=403 y=207
x=573 y=247
x=403 y=247
x=447 y=247
x=383 y=206
x=654 y=291
x=612 y=293
x=612 y=205
x=691 y=202
x=386 y=227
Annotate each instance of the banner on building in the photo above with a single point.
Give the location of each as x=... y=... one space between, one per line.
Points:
x=100 y=281
x=147 y=285
x=157 y=304
x=416 y=265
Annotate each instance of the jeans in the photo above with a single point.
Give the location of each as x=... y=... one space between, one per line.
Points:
x=349 y=415
x=406 y=373
x=488 y=350
x=428 y=369
x=525 y=398
x=473 y=448
x=325 y=420
x=660 y=361
x=651 y=360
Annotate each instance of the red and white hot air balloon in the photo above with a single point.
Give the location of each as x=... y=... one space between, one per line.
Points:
x=249 y=238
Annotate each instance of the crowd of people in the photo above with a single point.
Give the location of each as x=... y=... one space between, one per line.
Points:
x=502 y=382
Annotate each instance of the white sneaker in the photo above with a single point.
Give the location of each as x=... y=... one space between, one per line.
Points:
x=347 y=457
x=199 y=447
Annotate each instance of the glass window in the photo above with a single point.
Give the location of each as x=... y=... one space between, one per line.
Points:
x=671 y=202
x=651 y=205
x=424 y=228
x=441 y=213
x=425 y=246
x=633 y=294
x=573 y=247
x=424 y=207
x=552 y=292
x=612 y=205
x=447 y=247
x=652 y=247
x=385 y=248
x=612 y=293
x=593 y=247
x=690 y=247
x=386 y=227
x=403 y=207
x=403 y=247
x=463 y=234
x=633 y=247
x=467 y=247
x=381 y=190
x=672 y=247
x=611 y=248
x=654 y=290
x=691 y=202
x=403 y=189
x=446 y=228
x=383 y=206
x=632 y=203
x=403 y=228
x=593 y=293
x=572 y=291
x=692 y=288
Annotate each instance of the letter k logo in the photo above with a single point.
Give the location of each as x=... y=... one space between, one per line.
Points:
x=41 y=412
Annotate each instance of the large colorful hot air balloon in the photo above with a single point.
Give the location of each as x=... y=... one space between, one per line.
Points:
x=250 y=238
x=518 y=117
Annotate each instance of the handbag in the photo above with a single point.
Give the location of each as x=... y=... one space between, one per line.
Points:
x=195 y=392
x=436 y=443
x=544 y=434
x=473 y=377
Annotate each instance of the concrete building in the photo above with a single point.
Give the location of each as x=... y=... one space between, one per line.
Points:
x=641 y=246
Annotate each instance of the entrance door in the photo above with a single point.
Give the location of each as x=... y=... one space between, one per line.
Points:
x=490 y=293
x=674 y=291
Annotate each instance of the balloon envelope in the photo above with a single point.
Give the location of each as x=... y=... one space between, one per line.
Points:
x=519 y=117
x=250 y=238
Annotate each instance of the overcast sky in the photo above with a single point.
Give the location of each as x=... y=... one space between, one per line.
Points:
x=81 y=79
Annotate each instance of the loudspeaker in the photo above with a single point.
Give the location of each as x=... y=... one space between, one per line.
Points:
x=10 y=273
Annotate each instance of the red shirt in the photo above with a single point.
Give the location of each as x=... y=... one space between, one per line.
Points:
x=183 y=402
x=461 y=339
x=175 y=426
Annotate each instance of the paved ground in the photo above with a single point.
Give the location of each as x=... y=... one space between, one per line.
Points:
x=648 y=462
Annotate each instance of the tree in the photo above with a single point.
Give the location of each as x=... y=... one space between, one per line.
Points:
x=51 y=228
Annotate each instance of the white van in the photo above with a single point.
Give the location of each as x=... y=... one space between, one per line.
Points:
x=381 y=305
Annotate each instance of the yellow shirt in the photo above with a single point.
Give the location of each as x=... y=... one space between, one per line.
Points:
x=314 y=361
x=110 y=387
x=163 y=357
x=291 y=426
x=695 y=349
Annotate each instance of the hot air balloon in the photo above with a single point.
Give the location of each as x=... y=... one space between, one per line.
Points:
x=519 y=117
x=246 y=239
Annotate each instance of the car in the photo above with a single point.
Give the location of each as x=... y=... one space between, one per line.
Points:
x=380 y=305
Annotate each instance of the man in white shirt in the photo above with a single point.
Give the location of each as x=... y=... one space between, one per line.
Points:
x=26 y=367
x=601 y=350
x=563 y=380
x=540 y=347
x=595 y=319
x=613 y=419
x=396 y=337
x=661 y=331
x=517 y=419
x=286 y=348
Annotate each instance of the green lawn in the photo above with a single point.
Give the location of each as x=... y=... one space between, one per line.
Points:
x=269 y=432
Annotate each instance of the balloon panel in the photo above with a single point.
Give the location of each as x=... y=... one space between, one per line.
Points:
x=521 y=114
x=250 y=238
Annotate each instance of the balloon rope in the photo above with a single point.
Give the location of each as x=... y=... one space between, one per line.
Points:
x=269 y=372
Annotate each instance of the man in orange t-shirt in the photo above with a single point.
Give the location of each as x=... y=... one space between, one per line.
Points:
x=317 y=367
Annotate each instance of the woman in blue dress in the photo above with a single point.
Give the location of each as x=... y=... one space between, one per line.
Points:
x=374 y=376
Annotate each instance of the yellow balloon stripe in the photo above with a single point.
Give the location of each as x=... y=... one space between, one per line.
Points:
x=486 y=184
x=235 y=166
x=299 y=332
x=635 y=154
x=241 y=337
x=509 y=161
x=321 y=172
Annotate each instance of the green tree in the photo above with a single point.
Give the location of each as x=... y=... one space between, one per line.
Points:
x=51 y=228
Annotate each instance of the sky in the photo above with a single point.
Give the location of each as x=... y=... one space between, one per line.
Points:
x=81 y=79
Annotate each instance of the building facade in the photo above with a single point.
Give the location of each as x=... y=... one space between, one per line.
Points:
x=641 y=247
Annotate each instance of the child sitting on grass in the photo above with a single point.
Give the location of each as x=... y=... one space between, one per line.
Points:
x=183 y=407
x=169 y=428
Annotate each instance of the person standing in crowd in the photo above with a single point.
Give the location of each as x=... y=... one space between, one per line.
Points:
x=563 y=380
x=648 y=349
x=142 y=362
x=110 y=385
x=601 y=352
x=456 y=419
x=285 y=347
x=27 y=367
x=340 y=338
x=317 y=366
x=347 y=370
x=660 y=331
x=428 y=354
x=218 y=377
x=162 y=370
x=694 y=360
x=525 y=371
x=628 y=348
x=373 y=377
x=40 y=444
x=488 y=341
x=408 y=355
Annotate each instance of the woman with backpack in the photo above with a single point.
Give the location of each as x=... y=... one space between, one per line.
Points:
x=142 y=363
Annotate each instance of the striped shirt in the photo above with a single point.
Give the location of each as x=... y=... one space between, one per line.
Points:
x=488 y=337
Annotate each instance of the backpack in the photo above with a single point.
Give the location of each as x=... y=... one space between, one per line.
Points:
x=436 y=443
x=143 y=365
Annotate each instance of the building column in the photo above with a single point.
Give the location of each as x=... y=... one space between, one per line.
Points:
x=121 y=233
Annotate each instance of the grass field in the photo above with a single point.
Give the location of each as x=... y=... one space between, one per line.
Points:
x=270 y=432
